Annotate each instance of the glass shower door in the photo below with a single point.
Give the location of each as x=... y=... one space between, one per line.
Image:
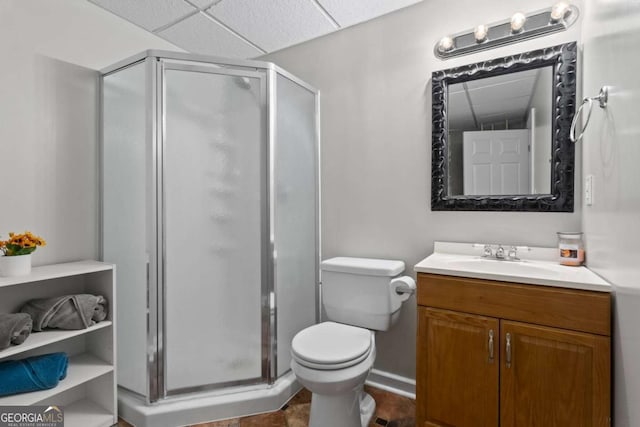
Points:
x=215 y=237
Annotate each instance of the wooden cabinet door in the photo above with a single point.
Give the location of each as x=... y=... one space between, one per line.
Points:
x=458 y=368
x=553 y=377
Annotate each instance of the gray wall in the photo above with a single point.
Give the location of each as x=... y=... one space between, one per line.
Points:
x=49 y=118
x=612 y=156
x=376 y=133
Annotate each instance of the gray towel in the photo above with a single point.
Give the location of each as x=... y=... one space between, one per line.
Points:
x=14 y=328
x=66 y=312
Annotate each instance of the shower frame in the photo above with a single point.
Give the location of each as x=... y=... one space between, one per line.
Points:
x=156 y=62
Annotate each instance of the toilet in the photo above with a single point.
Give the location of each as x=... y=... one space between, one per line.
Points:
x=332 y=359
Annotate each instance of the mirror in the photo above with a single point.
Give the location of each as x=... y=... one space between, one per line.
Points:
x=501 y=133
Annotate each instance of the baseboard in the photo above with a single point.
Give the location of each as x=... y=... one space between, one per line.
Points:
x=393 y=383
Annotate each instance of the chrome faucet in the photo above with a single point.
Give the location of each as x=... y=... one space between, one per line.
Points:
x=500 y=253
x=487 y=251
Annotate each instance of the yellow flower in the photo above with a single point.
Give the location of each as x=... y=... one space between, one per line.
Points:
x=25 y=240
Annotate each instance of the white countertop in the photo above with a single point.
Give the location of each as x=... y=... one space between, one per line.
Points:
x=538 y=266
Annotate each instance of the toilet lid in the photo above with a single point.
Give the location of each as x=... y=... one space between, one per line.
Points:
x=330 y=343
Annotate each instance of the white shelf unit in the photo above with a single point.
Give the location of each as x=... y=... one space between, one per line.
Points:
x=88 y=393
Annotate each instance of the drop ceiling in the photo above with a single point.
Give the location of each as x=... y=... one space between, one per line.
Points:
x=246 y=28
x=480 y=103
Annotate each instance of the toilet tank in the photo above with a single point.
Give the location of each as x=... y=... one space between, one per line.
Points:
x=357 y=291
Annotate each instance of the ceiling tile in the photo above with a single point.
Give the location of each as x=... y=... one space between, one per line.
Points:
x=148 y=14
x=499 y=119
x=273 y=24
x=204 y=4
x=456 y=88
x=499 y=93
x=515 y=106
x=200 y=34
x=519 y=76
x=352 y=12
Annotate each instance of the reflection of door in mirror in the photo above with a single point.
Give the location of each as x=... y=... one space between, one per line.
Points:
x=500 y=134
x=496 y=162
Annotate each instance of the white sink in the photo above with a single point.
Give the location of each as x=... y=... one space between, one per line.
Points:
x=501 y=267
x=539 y=267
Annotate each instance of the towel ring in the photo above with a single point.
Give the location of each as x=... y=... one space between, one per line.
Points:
x=602 y=98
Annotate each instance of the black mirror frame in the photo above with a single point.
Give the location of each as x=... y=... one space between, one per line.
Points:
x=563 y=59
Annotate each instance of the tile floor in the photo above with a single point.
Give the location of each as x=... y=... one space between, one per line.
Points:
x=392 y=410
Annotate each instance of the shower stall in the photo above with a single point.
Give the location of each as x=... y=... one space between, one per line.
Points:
x=210 y=211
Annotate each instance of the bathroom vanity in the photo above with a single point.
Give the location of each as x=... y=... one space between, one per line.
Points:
x=511 y=343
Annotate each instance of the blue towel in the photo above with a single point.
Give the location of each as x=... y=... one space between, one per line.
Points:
x=33 y=373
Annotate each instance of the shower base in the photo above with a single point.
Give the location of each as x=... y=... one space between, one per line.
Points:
x=203 y=407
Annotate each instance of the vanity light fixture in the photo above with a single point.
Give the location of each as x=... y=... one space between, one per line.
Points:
x=521 y=26
x=480 y=33
x=445 y=44
x=559 y=11
x=517 y=22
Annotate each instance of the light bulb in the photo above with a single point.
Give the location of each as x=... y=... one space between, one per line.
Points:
x=517 y=22
x=445 y=44
x=559 y=11
x=480 y=33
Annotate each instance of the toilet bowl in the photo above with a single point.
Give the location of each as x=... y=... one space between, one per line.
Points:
x=333 y=361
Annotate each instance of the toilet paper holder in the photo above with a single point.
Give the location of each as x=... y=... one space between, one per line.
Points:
x=404 y=285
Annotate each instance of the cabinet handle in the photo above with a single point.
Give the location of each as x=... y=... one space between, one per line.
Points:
x=491 y=344
x=508 y=350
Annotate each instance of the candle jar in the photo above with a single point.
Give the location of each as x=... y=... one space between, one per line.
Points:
x=570 y=248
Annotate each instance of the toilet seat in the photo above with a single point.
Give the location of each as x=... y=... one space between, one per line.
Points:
x=330 y=345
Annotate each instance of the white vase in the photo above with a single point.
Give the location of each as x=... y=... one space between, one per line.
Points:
x=19 y=265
